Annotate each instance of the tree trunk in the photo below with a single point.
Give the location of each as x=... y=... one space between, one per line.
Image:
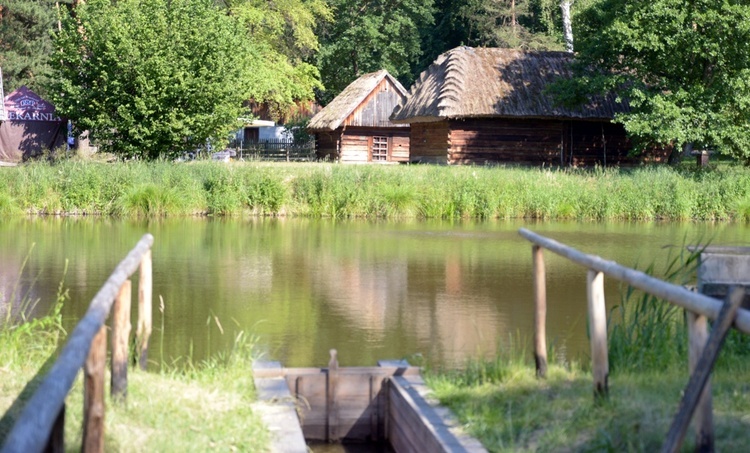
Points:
x=567 y=25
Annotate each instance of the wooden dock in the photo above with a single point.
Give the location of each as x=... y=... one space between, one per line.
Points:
x=386 y=403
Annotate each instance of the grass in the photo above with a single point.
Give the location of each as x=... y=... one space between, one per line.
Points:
x=197 y=407
x=517 y=412
x=157 y=189
x=501 y=402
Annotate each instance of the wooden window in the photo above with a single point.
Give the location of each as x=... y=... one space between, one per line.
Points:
x=380 y=149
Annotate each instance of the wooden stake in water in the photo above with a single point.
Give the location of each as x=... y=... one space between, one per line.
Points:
x=333 y=378
x=540 y=312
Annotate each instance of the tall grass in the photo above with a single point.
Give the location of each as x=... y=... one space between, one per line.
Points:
x=204 y=406
x=154 y=189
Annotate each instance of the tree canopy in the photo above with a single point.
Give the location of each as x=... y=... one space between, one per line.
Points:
x=683 y=66
x=369 y=36
x=283 y=34
x=152 y=78
x=26 y=42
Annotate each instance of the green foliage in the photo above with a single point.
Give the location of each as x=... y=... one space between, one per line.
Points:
x=682 y=66
x=283 y=33
x=519 y=24
x=152 y=79
x=367 y=37
x=25 y=42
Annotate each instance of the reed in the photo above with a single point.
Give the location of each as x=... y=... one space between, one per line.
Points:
x=140 y=189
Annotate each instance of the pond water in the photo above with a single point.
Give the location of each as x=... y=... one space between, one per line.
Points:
x=430 y=292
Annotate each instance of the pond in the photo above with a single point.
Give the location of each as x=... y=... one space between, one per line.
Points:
x=429 y=292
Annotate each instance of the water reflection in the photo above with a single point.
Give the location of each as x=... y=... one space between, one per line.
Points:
x=373 y=290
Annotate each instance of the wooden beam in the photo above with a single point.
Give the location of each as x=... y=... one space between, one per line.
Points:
x=703 y=417
x=332 y=405
x=704 y=367
x=676 y=294
x=120 y=343
x=598 y=332
x=540 y=312
x=145 y=310
x=34 y=424
x=93 y=396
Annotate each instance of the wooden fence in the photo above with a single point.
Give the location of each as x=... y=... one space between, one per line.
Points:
x=40 y=426
x=278 y=150
x=702 y=348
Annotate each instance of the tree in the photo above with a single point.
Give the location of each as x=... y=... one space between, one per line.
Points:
x=367 y=36
x=283 y=32
x=683 y=66
x=26 y=43
x=518 y=24
x=152 y=78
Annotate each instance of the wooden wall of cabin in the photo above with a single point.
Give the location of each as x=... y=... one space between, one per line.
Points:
x=376 y=108
x=327 y=144
x=356 y=143
x=590 y=143
x=540 y=142
x=491 y=140
x=429 y=142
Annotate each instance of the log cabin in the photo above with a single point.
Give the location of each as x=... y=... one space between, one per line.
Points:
x=490 y=105
x=354 y=127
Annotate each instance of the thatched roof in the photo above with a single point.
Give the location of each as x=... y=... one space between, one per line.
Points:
x=339 y=109
x=468 y=82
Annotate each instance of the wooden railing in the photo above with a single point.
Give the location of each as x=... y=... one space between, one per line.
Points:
x=40 y=425
x=278 y=150
x=702 y=348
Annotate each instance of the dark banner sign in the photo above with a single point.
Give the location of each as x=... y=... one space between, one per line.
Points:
x=25 y=105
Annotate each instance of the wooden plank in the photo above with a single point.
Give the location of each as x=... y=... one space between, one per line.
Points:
x=277 y=410
x=421 y=424
x=598 y=332
x=120 y=342
x=145 y=309
x=676 y=294
x=540 y=311
x=93 y=394
x=704 y=367
x=703 y=417
x=34 y=424
x=331 y=397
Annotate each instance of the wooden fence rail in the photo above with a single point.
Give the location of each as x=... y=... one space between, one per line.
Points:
x=699 y=308
x=278 y=150
x=39 y=426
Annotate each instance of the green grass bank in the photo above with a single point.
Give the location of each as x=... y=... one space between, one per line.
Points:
x=155 y=189
x=196 y=408
x=503 y=404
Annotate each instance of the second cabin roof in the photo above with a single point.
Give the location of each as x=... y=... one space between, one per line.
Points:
x=343 y=105
x=468 y=82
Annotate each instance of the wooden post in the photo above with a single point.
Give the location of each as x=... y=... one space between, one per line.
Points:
x=333 y=378
x=120 y=337
x=540 y=312
x=57 y=436
x=145 y=295
x=703 y=417
x=703 y=368
x=93 y=395
x=598 y=332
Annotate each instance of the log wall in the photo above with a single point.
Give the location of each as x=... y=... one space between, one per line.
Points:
x=525 y=141
x=356 y=143
x=430 y=142
x=327 y=145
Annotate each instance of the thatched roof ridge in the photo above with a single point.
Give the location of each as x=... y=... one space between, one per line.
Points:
x=339 y=109
x=468 y=82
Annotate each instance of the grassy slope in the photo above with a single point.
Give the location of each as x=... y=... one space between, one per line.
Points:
x=205 y=408
x=516 y=412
